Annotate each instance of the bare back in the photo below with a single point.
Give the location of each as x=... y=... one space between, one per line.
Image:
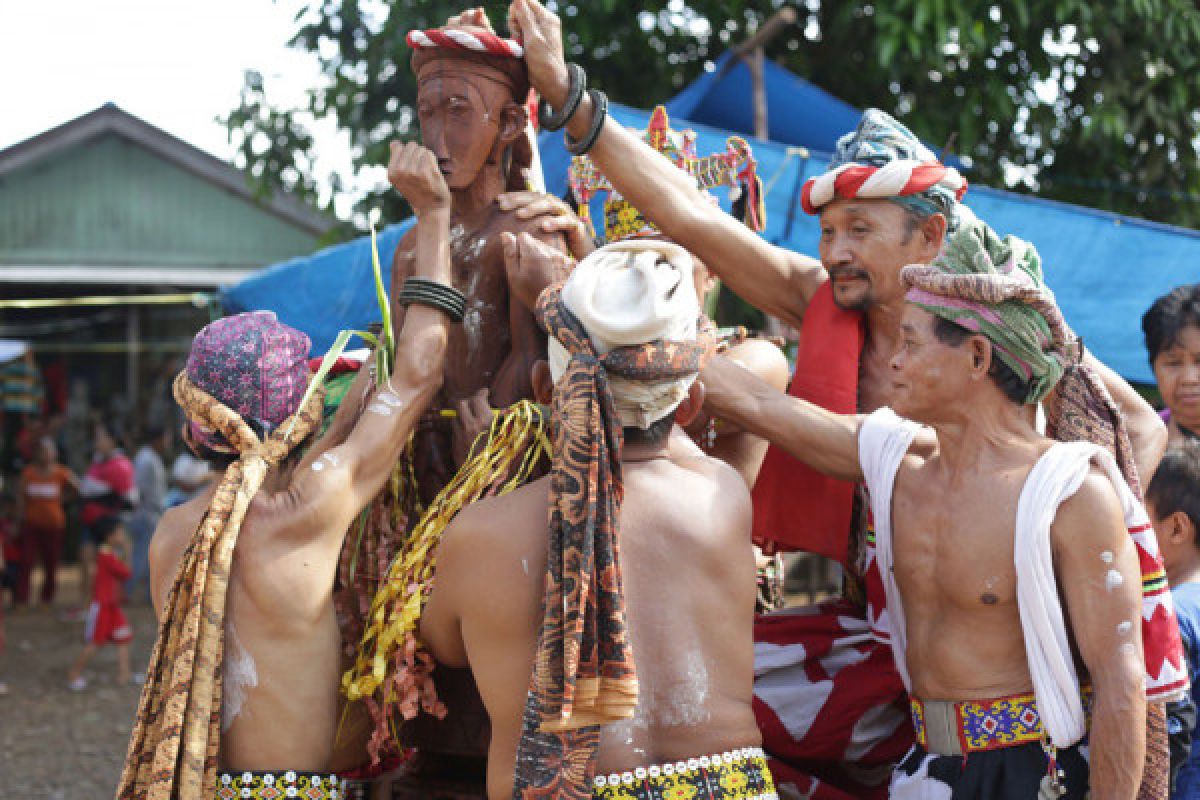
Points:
x=282 y=646
x=282 y=663
x=688 y=573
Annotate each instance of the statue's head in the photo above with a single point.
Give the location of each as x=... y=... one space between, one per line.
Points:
x=471 y=108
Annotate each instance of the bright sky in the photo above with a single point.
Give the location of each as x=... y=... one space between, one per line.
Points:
x=177 y=65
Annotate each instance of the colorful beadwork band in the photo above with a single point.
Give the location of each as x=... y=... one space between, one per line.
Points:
x=736 y=775
x=279 y=785
x=978 y=725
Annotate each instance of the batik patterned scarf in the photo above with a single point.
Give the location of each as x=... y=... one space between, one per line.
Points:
x=176 y=734
x=584 y=673
x=995 y=287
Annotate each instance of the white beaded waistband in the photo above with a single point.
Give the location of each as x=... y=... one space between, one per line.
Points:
x=680 y=767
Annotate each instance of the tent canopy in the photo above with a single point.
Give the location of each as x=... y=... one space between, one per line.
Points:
x=1105 y=269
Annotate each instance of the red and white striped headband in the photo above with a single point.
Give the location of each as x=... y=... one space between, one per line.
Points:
x=474 y=41
x=898 y=178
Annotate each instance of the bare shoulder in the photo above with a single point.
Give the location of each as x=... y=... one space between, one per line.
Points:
x=509 y=524
x=1093 y=514
x=733 y=509
x=175 y=529
x=763 y=359
x=170 y=542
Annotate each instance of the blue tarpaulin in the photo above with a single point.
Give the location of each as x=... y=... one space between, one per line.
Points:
x=800 y=114
x=1105 y=269
x=321 y=294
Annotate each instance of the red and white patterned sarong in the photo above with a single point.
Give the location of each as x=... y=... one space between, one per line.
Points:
x=830 y=705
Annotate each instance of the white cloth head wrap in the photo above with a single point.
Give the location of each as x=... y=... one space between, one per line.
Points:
x=630 y=293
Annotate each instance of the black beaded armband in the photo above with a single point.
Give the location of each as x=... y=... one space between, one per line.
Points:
x=446 y=299
x=552 y=121
x=599 y=112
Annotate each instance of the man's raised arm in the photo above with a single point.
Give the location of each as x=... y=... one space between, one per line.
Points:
x=342 y=479
x=826 y=441
x=771 y=278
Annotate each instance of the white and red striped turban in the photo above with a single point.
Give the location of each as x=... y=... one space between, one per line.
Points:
x=486 y=54
x=476 y=41
x=882 y=159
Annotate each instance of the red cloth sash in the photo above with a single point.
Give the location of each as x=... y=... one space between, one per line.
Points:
x=796 y=507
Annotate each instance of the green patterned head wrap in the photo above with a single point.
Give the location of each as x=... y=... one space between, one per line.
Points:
x=994 y=287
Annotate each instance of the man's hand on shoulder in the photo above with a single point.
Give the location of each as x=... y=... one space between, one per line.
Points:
x=532 y=265
x=549 y=215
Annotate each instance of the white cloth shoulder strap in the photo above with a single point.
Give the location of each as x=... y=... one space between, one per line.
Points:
x=1057 y=476
x=883 y=440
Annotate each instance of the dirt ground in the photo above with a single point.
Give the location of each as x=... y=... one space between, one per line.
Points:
x=56 y=744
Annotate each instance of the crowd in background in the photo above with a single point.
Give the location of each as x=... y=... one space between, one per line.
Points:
x=73 y=493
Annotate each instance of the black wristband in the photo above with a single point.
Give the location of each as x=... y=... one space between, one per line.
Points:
x=439 y=296
x=599 y=112
x=421 y=290
x=448 y=305
x=551 y=121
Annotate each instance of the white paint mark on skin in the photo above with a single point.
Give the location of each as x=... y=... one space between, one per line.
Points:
x=1128 y=649
x=473 y=328
x=476 y=247
x=376 y=408
x=623 y=730
x=240 y=674
x=1124 y=628
x=390 y=399
x=318 y=465
x=1107 y=557
x=684 y=701
x=525 y=565
x=332 y=459
x=457 y=233
x=1113 y=580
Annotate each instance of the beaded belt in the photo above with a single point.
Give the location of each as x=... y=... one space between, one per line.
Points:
x=736 y=775
x=948 y=728
x=279 y=785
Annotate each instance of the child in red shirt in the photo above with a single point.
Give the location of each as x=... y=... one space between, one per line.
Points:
x=106 y=622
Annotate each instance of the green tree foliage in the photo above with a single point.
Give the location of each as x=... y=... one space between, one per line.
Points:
x=1093 y=102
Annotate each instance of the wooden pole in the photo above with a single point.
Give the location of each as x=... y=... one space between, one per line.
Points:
x=774 y=26
x=132 y=336
x=755 y=63
x=753 y=54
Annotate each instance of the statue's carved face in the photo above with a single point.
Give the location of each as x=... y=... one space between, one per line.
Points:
x=462 y=119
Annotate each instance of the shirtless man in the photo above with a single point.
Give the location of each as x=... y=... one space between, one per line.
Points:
x=866 y=238
x=684 y=566
x=282 y=654
x=957 y=504
x=472 y=117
